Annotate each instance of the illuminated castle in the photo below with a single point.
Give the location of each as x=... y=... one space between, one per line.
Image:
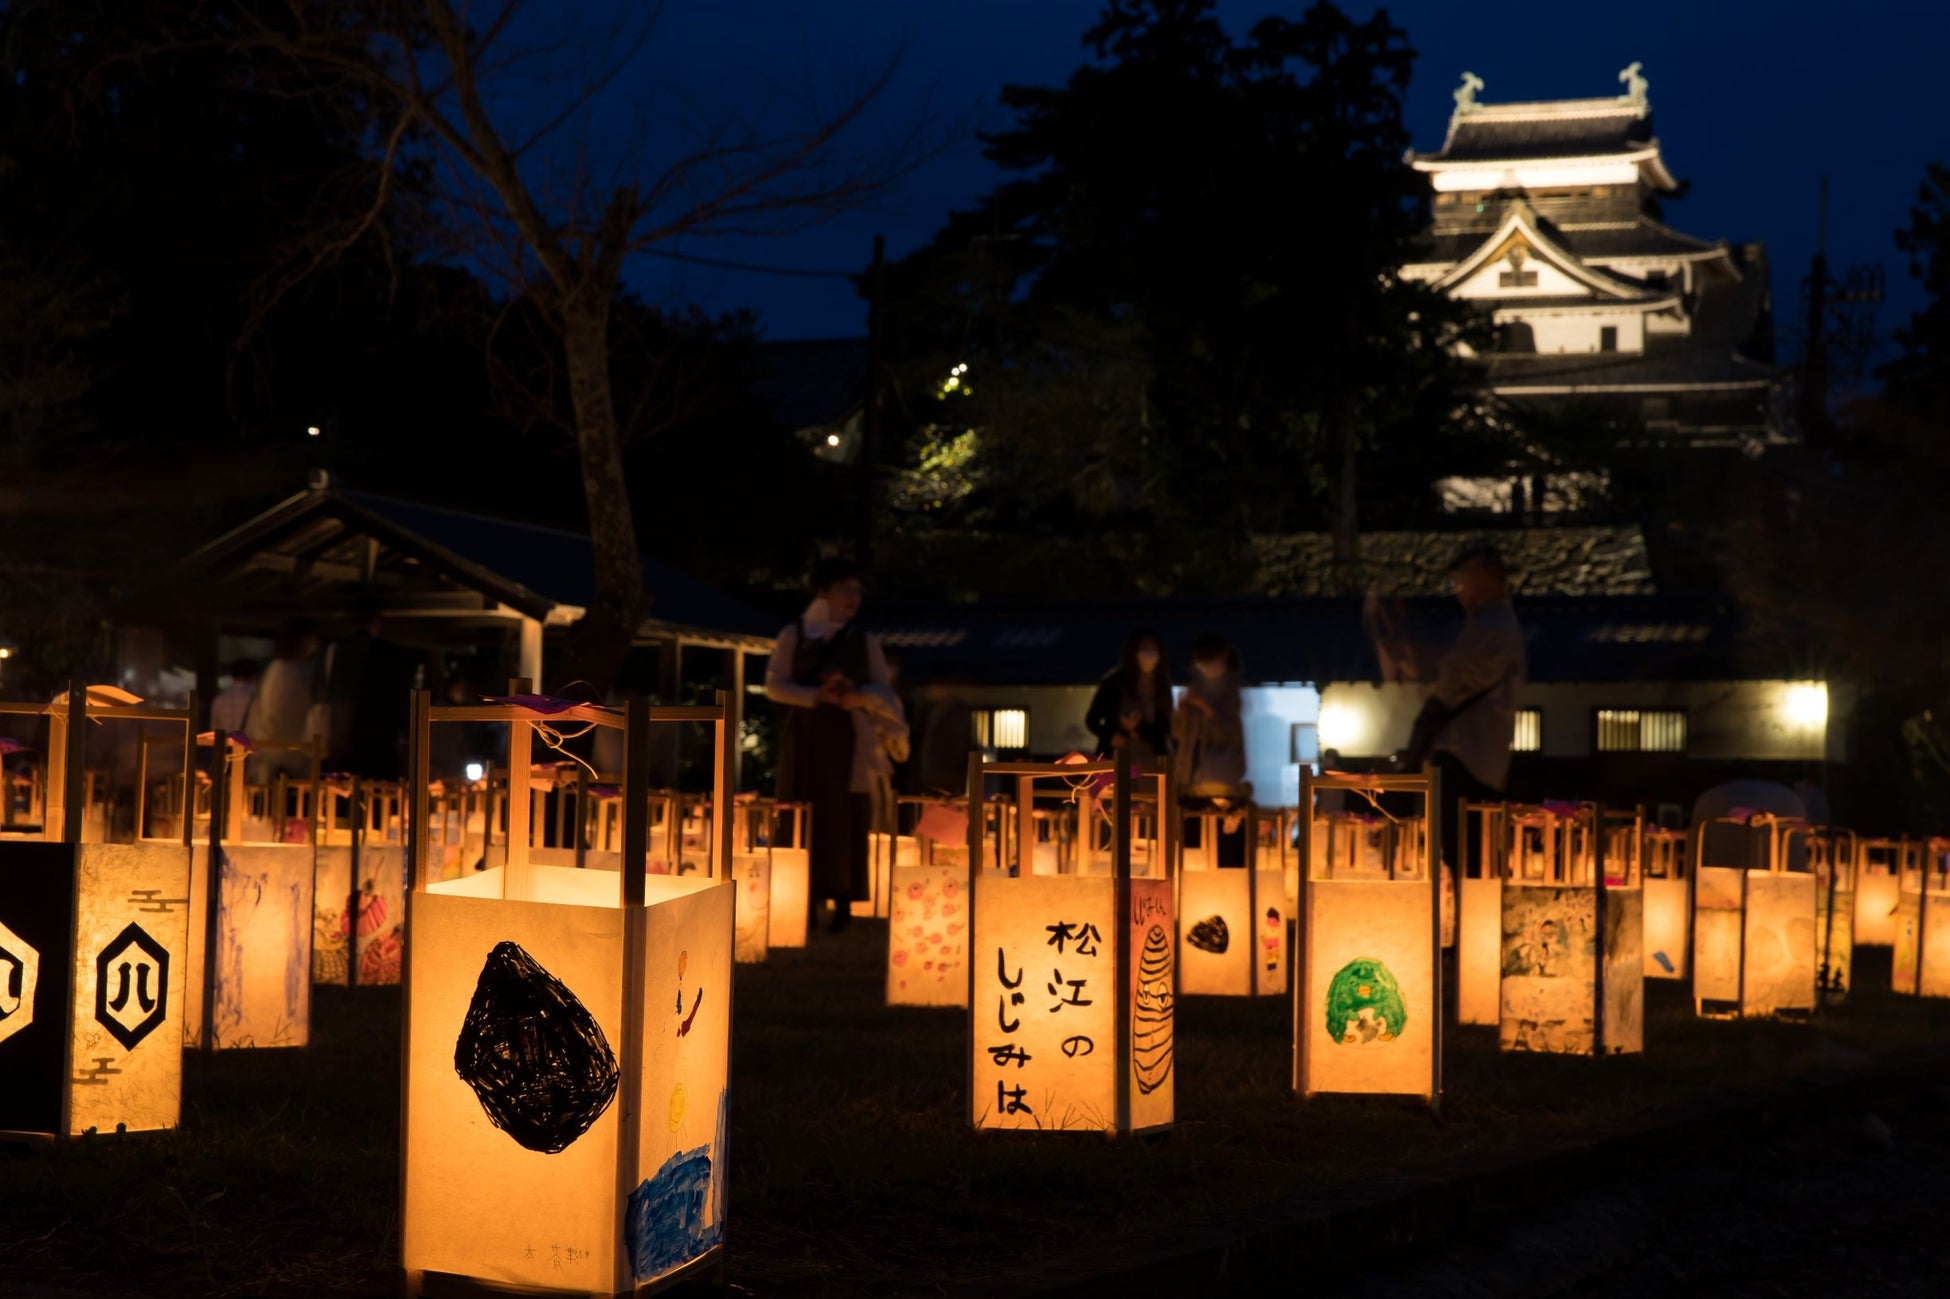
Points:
x=1548 y=216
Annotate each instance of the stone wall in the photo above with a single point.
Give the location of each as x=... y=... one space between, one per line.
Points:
x=1542 y=561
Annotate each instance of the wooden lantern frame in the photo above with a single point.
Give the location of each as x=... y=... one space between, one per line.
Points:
x=635 y=719
x=1163 y=868
x=1307 y=991
x=1479 y=911
x=62 y=970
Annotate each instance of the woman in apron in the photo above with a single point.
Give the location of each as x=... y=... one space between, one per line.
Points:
x=824 y=671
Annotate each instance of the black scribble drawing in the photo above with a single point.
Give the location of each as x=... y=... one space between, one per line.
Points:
x=690 y=1019
x=1151 y=1017
x=1210 y=936
x=534 y=1055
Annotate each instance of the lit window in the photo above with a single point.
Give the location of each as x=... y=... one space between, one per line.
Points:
x=1005 y=730
x=1633 y=730
x=1529 y=735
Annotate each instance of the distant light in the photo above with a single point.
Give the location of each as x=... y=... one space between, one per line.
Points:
x=475 y=771
x=311 y=430
x=5 y=653
x=1342 y=726
x=1807 y=704
x=832 y=439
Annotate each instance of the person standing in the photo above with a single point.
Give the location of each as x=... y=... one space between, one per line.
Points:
x=825 y=670
x=1470 y=716
x=280 y=712
x=368 y=688
x=1132 y=707
x=231 y=708
x=1209 y=762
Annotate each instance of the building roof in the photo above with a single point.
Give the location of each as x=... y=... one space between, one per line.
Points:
x=1567 y=128
x=1706 y=365
x=322 y=551
x=1617 y=638
x=1587 y=241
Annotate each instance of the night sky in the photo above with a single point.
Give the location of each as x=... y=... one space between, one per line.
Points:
x=1754 y=102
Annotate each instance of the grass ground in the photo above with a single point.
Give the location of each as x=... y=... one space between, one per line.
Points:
x=853 y=1171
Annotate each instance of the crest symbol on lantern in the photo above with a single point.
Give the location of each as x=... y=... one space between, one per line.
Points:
x=20 y=967
x=131 y=986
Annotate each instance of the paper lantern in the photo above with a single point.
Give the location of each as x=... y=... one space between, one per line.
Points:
x=1072 y=978
x=92 y=944
x=257 y=991
x=1367 y=993
x=567 y=1049
x=1232 y=921
x=1572 y=975
x=927 y=930
x=1668 y=901
x=790 y=909
x=358 y=927
x=1483 y=855
x=1834 y=856
x=1753 y=920
x=1920 y=964
x=1876 y=892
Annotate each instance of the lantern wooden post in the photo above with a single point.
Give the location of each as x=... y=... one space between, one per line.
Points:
x=566 y=1049
x=1836 y=855
x=1368 y=991
x=1089 y=1045
x=93 y=939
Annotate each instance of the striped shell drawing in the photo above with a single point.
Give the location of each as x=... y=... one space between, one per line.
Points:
x=1151 y=1018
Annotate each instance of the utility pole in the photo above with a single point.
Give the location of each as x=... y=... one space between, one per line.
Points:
x=1840 y=332
x=870 y=430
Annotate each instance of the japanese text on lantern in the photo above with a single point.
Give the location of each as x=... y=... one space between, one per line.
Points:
x=1046 y=1014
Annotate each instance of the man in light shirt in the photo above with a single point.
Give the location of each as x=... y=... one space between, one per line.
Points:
x=1477 y=682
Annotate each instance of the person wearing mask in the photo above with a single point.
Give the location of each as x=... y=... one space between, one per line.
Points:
x=230 y=710
x=1209 y=763
x=1131 y=711
x=825 y=671
x=1470 y=717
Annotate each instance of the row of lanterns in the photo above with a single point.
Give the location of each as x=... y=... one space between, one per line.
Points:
x=567 y=1020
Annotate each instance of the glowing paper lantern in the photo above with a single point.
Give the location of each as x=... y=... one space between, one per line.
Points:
x=1072 y=987
x=753 y=873
x=567 y=1050
x=1232 y=923
x=257 y=991
x=1483 y=854
x=1367 y=994
x=790 y=909
x=1779 y=956
x=1876 y=892
x=1667 y=888
x=927 y=930
x=1573 y=978
x=1834 y=855
x=92 y=944
x=1921 y=964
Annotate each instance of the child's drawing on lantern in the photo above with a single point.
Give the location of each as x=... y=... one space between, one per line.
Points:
x=1364 y=1005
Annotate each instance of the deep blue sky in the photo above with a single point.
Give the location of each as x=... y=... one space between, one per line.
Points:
x=1754 y=101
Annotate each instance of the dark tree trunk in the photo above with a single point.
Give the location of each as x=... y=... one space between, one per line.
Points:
x=1344 y=445
x=600 y=639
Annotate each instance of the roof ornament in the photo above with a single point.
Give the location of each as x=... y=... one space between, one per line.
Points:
x=1635 y=83
x=1465 y=94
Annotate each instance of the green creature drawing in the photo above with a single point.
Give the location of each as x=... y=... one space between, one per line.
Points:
x=1364 y=1004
